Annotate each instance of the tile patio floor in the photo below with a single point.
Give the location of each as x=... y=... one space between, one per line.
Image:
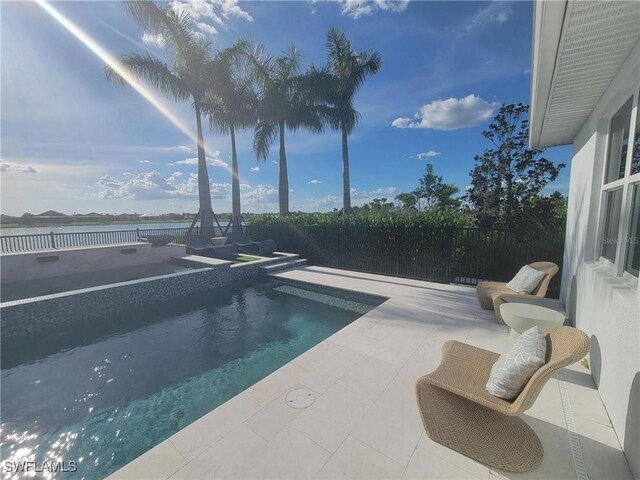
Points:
x=364 y=423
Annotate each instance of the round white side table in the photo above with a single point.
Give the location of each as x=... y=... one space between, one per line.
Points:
x=520 y=317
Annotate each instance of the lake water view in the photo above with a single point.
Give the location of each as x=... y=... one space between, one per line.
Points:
x=93 y=228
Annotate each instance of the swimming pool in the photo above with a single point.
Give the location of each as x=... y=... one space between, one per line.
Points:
x=102 y=393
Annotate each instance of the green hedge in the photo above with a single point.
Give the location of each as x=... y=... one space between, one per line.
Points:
x=410 y=246
x=432 y=219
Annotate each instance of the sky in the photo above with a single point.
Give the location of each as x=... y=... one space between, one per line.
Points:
x=75 y=143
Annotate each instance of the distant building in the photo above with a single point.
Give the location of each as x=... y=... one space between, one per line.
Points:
x=91 y=217
x=45 y=218
x=4 y=219
x=127 y=217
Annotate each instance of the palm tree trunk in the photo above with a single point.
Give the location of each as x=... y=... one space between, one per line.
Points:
x=346 y=184
x=204 y=189
x=283 y=177
x=236 y=220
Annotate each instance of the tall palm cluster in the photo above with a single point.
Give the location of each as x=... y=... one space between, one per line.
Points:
x=243 y=87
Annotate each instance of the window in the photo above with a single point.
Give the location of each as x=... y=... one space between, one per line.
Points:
x=611 y=224
x=632 y=264
x=620 y=228
x=618 y=143
x=635 y=157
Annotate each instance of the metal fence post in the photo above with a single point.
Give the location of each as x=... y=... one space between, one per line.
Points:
x=53 y=239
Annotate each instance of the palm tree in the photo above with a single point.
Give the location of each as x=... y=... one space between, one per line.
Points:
x=349 y=70
x=188 y=79
x=285 y=103
x=231 y=105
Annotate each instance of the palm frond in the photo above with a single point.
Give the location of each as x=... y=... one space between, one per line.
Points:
x=264 y=135
x=349 y=71
x=259 y=63
x=153 y=70
x=339 y=48
x=215 y=110
x=230 y=100
x=177 y=28
x=305 y=116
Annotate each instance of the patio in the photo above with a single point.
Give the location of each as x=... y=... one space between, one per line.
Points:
x=364 y=422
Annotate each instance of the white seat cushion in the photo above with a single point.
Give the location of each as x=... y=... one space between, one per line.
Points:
x=516 y=366
x=526 y=280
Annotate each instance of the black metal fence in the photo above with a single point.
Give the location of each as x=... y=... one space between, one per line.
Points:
x=447 y=254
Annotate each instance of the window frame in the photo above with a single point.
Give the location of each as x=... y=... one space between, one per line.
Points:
x=625 y=273
x=626 y=183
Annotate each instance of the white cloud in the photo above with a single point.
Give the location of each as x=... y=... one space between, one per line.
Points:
x=197 y=9
x=495 y=12
x=144 y=161
x=177 y=148
x=359 y=8
x=429 y=154
x=450 y=114
x=355 y=193
x=318 y=204
x=314 y=182
x=6 y=166
x=230 y=8
x=174 y=176
x=152 y=186
x=154 y=40
x=111 y=188
x=260 y=196
x=274 y=162
x=206 y=28
x=213 y=160
x=107 y=181
x=255 y=169
x=216 y=11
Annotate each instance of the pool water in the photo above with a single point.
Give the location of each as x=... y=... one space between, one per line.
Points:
x=101 y=393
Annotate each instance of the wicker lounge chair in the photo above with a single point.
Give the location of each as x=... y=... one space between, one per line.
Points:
x=459 y=413
x=249 y=247
x=491 y=294
x=202 y=245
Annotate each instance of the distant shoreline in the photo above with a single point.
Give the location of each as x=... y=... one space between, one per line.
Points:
x=84 y=224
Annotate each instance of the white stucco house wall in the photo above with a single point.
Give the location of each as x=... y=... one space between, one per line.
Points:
x=585 y=92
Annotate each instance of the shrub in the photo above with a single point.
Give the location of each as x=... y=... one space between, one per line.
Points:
x=433 y=219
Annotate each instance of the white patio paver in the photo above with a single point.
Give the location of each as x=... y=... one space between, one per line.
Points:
x=364 y=422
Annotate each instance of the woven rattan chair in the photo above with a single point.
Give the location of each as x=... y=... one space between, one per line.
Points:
x=459 y=413
x=491 y=294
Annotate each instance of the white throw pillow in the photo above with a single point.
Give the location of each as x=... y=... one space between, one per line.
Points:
x=526 y=280
x=516 y=366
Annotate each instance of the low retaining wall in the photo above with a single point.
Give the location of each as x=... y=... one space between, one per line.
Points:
x=20 y=267
x=23 y=317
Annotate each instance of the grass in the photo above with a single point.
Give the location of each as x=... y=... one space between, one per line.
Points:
x=246 y=258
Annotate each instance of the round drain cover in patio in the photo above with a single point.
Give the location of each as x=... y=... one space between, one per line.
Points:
x=300 y=398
